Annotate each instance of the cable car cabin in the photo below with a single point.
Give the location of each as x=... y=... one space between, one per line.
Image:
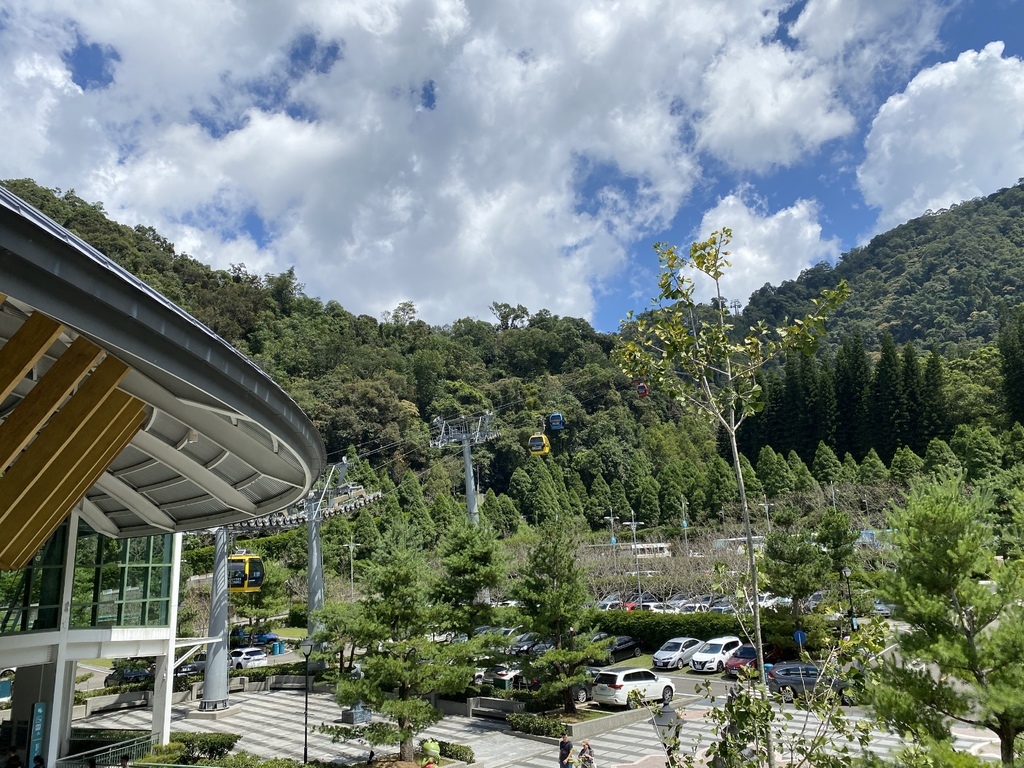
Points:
x=555 y=421
x=245 y=574
x=539 y=445
x=641 y=388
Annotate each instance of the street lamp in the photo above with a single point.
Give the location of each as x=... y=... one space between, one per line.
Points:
x=611 y=527
x=636 y=558
x=849 y=591
x=307 y=648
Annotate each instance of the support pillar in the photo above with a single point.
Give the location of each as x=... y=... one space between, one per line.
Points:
x=215 y=679
x=58 y=721
x=163 y=685
x=471 y=510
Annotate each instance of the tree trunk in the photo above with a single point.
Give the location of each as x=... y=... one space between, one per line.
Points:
x=1007 y=737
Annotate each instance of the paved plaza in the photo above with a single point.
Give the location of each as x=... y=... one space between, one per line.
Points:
x=271 y=726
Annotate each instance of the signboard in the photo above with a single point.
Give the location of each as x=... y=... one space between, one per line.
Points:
x=35 y=744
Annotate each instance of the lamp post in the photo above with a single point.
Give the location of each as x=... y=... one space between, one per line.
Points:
x=636 y=558
x=849 y=591
x=307 y=648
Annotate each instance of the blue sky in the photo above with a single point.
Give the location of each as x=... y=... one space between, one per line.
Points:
x=457 y=153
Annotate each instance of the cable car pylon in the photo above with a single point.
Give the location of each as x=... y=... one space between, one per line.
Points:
x=470 y=430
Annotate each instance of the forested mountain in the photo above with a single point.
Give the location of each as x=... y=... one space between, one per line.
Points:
x=941 y=280
x=870 y=409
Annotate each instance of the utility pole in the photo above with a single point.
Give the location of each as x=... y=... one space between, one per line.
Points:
x=611 y=528
x=468 y=431
x=314 y=545
x=766 y=506
x=686 y=538
x=352 y=568
x=636 y=558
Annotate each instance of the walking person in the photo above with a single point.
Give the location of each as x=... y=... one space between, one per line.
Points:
x=13 y=761
x=586 y=754
x=564 y=751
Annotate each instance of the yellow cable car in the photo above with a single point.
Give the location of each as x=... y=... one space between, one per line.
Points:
x=539 y=445
x=245 y=573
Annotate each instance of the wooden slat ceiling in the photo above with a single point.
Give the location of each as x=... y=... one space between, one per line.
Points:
x=61 y=437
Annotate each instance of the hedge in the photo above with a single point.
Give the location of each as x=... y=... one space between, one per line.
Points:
x=454 y=751
x=535 y=725
x=205 y=746
x=653 y=629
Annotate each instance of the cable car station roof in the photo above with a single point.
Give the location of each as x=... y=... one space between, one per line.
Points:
x=113 y=398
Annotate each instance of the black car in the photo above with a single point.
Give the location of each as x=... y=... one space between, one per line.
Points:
x=127 y=677
x=524 y=643
x=623 y=647
x=799 y=678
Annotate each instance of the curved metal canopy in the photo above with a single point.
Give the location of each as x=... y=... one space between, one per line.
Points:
x=114 y=398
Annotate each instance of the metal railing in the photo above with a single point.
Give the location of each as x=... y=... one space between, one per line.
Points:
x=110 y=755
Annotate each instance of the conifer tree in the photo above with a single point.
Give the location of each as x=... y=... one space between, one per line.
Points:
x=934 y=410
x=939 y=457
x=852 y=383
x=1011 y=349
x=774 y=473
x=887 y=406
x=803 y=481
x=850 y=472
x=978 y=450
x=872 y=470
x=826 y=466
x=913 y=393
x=905 y=465
x=964 y=610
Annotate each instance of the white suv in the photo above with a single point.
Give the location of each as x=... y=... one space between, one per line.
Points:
x=711 y=656
x=244 y=658
x=613 y=686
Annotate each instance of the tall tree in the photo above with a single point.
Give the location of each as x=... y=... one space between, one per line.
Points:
x=852 y=382
x=887 y=406
x=964 y=610
x=1011 y=348
x=913 y=394
x=934 y=413
x=700 y=363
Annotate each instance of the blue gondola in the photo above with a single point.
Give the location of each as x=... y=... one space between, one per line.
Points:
x=555 y=421
x=539 y=445
x=245 y=573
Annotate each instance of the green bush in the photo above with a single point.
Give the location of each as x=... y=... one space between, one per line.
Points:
x=205 y=746
x=535 y=725
x=297 y=617
x=459 y=752
x=653 y=629
x=171 y=753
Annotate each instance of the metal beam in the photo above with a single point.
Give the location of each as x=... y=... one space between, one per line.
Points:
x=213 y=484
x=98 y=521
x=135 y=501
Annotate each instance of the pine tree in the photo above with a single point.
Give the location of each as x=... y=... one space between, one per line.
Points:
x=913 y=394
x=905 y=466
x=940 y=457
x=872 y=470
x=1011 y=349
x=978 y=450
x=803 y=481
x=964 y=610
x=887 y=407
x=852 y=383
x=934 y=408
x=774 y=473
x=826 y=467
x=471 y=563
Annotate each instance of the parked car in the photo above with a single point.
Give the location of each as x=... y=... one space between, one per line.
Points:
x=187 y=668
x=127 y=677
x=200 y=661
x=523 y=643
x=798 y=678
x=658 y=608
x=745 y=657
x=610 y=605
x=711 y=656
x=613 y=686
x=885 y=610
x=246 y=658
x=676 y=653
x=623 y=647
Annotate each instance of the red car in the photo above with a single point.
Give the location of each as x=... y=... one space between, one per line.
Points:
x=745 y=657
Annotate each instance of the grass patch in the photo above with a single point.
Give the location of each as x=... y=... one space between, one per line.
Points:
x=581 y=716
x=105 y=663
x=291 y=633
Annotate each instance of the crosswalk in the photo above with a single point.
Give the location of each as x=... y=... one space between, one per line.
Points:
x=271 y=724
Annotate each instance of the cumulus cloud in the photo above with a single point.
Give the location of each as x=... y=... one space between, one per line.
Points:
x=955 y=133
x=767 y=247
x=448 y=153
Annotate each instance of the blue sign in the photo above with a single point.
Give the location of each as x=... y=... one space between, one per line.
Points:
x=685 y=524
x=800 y=636
x=613 y=541
x=35 y=746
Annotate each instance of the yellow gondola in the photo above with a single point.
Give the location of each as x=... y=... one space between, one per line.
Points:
x=245 y=573
x=539 y=445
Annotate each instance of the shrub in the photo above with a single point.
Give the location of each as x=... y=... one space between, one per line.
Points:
x=535 y=725
x=297 y=616
x=205 y=746
x=457 y=752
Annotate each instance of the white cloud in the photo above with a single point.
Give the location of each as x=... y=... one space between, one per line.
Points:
x=767 y=247
x=955 y=133
x=768 y=106
x=563 y=132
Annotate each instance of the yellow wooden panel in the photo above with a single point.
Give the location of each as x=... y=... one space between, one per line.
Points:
x=24 y=348
x=115 y=425
x=59 y=431
x=46 y=396
x=3 y=298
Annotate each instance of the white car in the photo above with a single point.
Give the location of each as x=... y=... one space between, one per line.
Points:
x=245 y=658
x=711 y=656
x=675 y=653
x=613 y=686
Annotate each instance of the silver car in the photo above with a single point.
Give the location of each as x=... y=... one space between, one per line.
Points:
x=675 y=653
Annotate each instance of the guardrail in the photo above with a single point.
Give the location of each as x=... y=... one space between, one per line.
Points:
x=111 y=754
